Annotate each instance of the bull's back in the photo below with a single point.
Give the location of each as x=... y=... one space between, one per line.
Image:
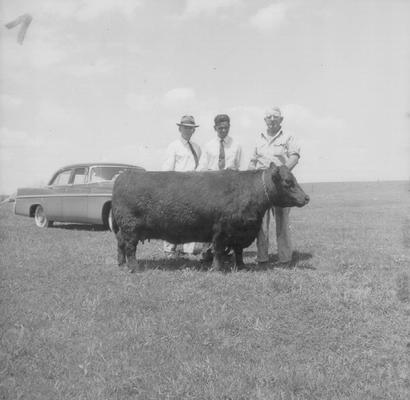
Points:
x=214 y=189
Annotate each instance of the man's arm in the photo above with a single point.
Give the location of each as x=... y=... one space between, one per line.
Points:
x=238 y=158
x=254 y=159
x=203 y=161
x=169 y=163
x=292 y=161
x=293 y=151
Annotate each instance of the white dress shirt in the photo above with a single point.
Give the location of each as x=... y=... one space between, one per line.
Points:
x=210 y=158
x=179 y=156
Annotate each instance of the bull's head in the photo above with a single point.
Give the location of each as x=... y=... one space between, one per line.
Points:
x=289 y=193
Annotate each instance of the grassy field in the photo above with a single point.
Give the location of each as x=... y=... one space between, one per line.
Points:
x=337 y=326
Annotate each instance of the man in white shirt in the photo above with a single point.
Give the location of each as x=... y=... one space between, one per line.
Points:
x=221 y=152
x=182 y=155
x=281 y=148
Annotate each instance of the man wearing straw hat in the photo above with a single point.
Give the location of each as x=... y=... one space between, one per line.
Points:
x=279 y=147
x=182 y=155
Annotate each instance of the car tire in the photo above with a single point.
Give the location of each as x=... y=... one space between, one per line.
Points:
x=109 y=220
x=41 y=219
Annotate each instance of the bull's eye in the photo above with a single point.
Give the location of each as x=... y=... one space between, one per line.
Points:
x=289 y=183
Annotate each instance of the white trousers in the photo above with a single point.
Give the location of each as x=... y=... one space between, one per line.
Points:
x=282 y=235
x=188 y=248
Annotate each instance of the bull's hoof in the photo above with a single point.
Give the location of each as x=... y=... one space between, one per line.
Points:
x=207 y=256
x=135 y=270
x=240 y=266
x=216 y=267
x=134 y=267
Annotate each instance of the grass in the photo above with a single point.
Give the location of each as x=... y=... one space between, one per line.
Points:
x=337 y=326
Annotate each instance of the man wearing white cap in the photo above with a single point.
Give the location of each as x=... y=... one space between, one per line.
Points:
x=182 y=155
x=279 y=147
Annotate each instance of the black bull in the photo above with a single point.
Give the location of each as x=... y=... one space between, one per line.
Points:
x=222 y=207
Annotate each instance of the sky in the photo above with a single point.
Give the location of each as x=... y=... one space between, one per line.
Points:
x=107 y=80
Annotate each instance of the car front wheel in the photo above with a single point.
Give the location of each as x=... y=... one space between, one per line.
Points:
x=41 y=219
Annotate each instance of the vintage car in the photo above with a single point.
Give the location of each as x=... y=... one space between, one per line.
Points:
x=79 y=193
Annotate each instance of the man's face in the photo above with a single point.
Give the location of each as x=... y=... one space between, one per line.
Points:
x=222 y=129
x=273 y=123
x=186 y=131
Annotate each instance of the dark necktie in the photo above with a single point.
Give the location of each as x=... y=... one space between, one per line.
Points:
x=221 y=160
x=193 y=153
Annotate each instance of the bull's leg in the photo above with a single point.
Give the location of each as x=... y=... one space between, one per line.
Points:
x=120 y=249
x=218 y=255
x=130 y=250
x=238 y=257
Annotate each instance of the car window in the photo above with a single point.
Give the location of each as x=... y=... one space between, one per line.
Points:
x=62 y=178
x=99 y=174
x=79 y=176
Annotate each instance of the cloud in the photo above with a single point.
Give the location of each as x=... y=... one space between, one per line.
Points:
x=38 y=51
x=85 y=10
x=144 y=156
x=245 y=116
x=139 y=102
x=299 y=116
x=269 y=18
x=13 y=138
x=51 y=114
x=99 y=67
x=43 y=55
x=27 y=158
x=194 y=8
x=89 y=9
x=178 y=97
x=9 y=101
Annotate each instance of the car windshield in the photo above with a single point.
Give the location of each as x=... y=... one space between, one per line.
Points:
x=99 y=174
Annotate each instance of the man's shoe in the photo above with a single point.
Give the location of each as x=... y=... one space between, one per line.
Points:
x=284 y=264
x=263 y=264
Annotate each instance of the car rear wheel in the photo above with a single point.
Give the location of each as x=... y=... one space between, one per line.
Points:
x=41 y=219
x=109 y=220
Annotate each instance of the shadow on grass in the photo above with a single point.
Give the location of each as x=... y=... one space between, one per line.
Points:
x=299 y=261
x=79 y=227
x=175 y=264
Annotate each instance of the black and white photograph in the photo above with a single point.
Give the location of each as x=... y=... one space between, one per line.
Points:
x=204 y=199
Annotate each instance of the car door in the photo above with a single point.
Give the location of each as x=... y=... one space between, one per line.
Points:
x=56 y=190
x=75 y=197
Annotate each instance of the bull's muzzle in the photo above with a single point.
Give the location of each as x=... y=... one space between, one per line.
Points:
x=302 y=200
